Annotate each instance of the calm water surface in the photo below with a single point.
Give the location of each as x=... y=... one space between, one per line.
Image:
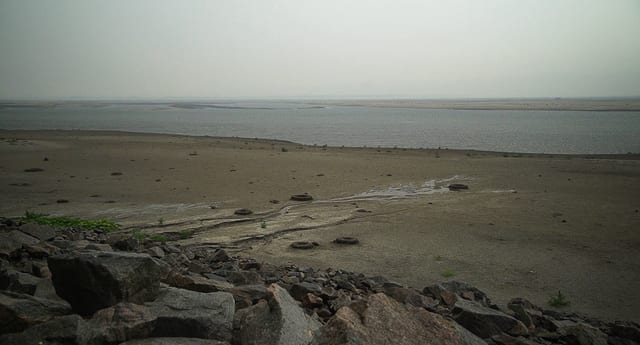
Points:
x=495 y=130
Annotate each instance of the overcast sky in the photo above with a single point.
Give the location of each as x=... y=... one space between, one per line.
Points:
x=315 y=49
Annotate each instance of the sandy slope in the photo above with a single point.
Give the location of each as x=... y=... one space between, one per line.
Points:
x=528 y=226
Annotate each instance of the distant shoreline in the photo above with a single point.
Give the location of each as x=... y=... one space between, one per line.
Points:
x=288 y=143
x=541 y=104
x=630 y=104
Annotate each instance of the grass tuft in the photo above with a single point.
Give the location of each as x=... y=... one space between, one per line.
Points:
x=185 y=234
x=559 y=300
x=447 y=273
x=69 y=222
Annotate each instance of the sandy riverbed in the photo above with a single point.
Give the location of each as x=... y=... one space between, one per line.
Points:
x=529 y=225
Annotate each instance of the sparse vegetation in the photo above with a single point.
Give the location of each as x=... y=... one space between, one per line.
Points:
x=559 y=300
x=69 y=222
x=184 y=234
x=158 y=238
x=139 y=235
x=160 y=221
x=284 y=149
x=447 y=273
x=263 y=224
x=438 y=258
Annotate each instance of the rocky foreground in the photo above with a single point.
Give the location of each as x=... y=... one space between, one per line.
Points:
x=75 y=286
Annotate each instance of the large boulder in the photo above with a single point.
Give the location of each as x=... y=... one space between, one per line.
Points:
x=20 y=311
x=382 y=320
x=278 y=320
x=93 y=280
x=61 y=330
x=486 y=322
x=184 y=313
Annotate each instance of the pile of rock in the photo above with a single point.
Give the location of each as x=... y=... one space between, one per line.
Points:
x=84 y=287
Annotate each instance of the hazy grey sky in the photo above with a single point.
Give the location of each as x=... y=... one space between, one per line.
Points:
x=324 y=48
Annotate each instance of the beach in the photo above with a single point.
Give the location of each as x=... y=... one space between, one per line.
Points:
x=529 y=225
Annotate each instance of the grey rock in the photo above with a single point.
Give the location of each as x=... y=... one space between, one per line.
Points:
x=12 y=240
x=197 y=267
x=411 y=296
x=15 y=281
x=20 y=311
x=39 y=231
x=468 y=338
x=155 y=252
x=61 y=330
x=343 y=299
x=184 y=313
x=128 y=244
x=299 y=290
x=582 y=334
x=219 y=255
x=174 y=341
x=382 y=320
x=39 y=250
x=245 y=278
x=119 y=323
x=278 y=320
x=196 y=283
x=503 y=339
x=625 y=330
x=486 y=322
x=93 y=280
x=460 y=289
x=103 y=247
x=522 y=315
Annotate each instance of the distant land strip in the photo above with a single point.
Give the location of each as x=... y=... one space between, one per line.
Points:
x=562 y=104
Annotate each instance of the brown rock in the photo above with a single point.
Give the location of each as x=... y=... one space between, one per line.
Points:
x=382 y=320
x=119 y=323
x=311 y=301
x=20 y=311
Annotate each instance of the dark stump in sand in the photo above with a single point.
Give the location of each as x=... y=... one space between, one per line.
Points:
x=302 y=245
x=458 y=186
x=346 y=240
x=243 y=212
x=301 y=197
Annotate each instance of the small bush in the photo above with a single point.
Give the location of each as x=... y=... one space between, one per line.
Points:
x=263 y=224
x=559 y=300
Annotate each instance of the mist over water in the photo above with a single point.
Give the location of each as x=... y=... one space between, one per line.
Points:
x=495 y=130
